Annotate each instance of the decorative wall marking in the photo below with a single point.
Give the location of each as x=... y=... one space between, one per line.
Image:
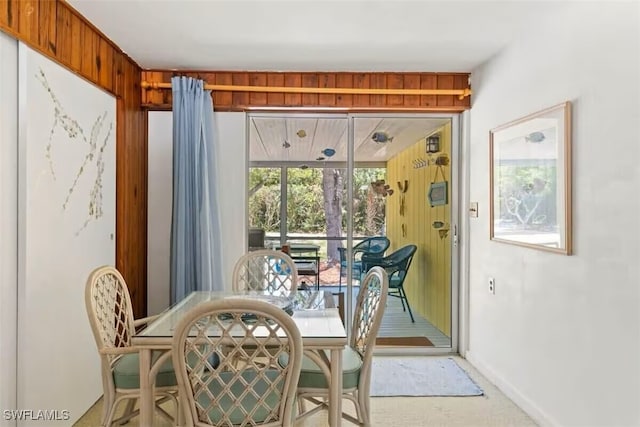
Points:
x=76 y=133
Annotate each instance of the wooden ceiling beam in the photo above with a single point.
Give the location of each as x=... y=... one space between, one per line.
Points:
x=375 y=91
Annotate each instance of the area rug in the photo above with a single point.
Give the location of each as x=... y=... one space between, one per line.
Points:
x=404 y=341
x=420 y=376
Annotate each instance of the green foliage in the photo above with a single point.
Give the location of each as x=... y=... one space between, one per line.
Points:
x=526 y=194
x=266 y=176
x=368 y=210
x=305 y=210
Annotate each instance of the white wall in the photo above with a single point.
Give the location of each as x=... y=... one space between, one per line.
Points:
x=8 y=221
x=232 y=166
x=160 y=187
x=66 y=228
x=231 y=161
x=561 y=335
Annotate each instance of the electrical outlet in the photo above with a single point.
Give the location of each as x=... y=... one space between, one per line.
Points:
x=492 y=285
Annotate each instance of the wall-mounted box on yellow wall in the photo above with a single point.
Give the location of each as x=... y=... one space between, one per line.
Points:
x=438 y=193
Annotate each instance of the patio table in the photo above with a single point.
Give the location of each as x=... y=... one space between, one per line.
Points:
x=306 y=258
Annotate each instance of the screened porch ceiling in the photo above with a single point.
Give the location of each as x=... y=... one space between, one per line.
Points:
x=305 y=140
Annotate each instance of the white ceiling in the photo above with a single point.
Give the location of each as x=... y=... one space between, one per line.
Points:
x=313 y=35
x=268 y=133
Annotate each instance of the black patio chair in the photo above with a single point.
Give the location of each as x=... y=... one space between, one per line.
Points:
x=396 y=265
x=375 y=245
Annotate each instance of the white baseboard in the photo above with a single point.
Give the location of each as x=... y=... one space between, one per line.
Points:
x=526 y=404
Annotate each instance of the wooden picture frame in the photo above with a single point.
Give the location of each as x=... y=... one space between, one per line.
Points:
x=530 y=181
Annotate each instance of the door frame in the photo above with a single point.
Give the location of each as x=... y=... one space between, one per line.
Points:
x=455 y=214
x=458 y=304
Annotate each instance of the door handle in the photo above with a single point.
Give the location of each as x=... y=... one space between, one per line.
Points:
x=455 y=235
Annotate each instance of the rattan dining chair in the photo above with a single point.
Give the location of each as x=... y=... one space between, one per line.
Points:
x=265 y=269
x=110 y=314
x=256 y=392
x=356 y=358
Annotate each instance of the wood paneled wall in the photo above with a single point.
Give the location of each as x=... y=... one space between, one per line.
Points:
x=55 y=29
x=428 y=284
x=160 y=99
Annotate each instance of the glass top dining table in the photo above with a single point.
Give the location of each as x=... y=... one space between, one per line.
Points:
x=314 y=313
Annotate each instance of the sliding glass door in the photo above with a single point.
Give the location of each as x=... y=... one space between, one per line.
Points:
x=327 y=184
x=419 y=190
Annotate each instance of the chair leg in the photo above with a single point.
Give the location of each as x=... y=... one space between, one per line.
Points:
x=301 y=405
x=110 y=404
x=107 y=407
x=365 y=414
x=180 y=418
x=112 y=411
x=129 y=409
x=403 y=296
x=395 y=292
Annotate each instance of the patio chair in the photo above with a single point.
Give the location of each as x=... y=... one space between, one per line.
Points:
x=265 y=269
x=397 y=266
x=356 y=359
x=257 y=392
x=376 y=245
x=110 y=314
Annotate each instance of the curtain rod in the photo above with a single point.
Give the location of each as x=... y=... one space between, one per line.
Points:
x=462 y=93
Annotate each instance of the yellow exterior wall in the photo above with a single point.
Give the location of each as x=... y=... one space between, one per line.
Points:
x=428 y=284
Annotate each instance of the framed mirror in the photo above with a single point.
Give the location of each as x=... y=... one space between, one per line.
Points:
x=530 y=180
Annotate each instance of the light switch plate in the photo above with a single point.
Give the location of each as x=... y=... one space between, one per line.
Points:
x=473 y=209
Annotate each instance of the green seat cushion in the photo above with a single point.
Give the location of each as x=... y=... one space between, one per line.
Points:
x=394 y=281
x=312 y=376
x=126 y=372
x=227 y=400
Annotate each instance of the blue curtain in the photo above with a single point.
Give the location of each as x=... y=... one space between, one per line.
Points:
x=195 y=225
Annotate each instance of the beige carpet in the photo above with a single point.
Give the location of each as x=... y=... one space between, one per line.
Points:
x=492 y=409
